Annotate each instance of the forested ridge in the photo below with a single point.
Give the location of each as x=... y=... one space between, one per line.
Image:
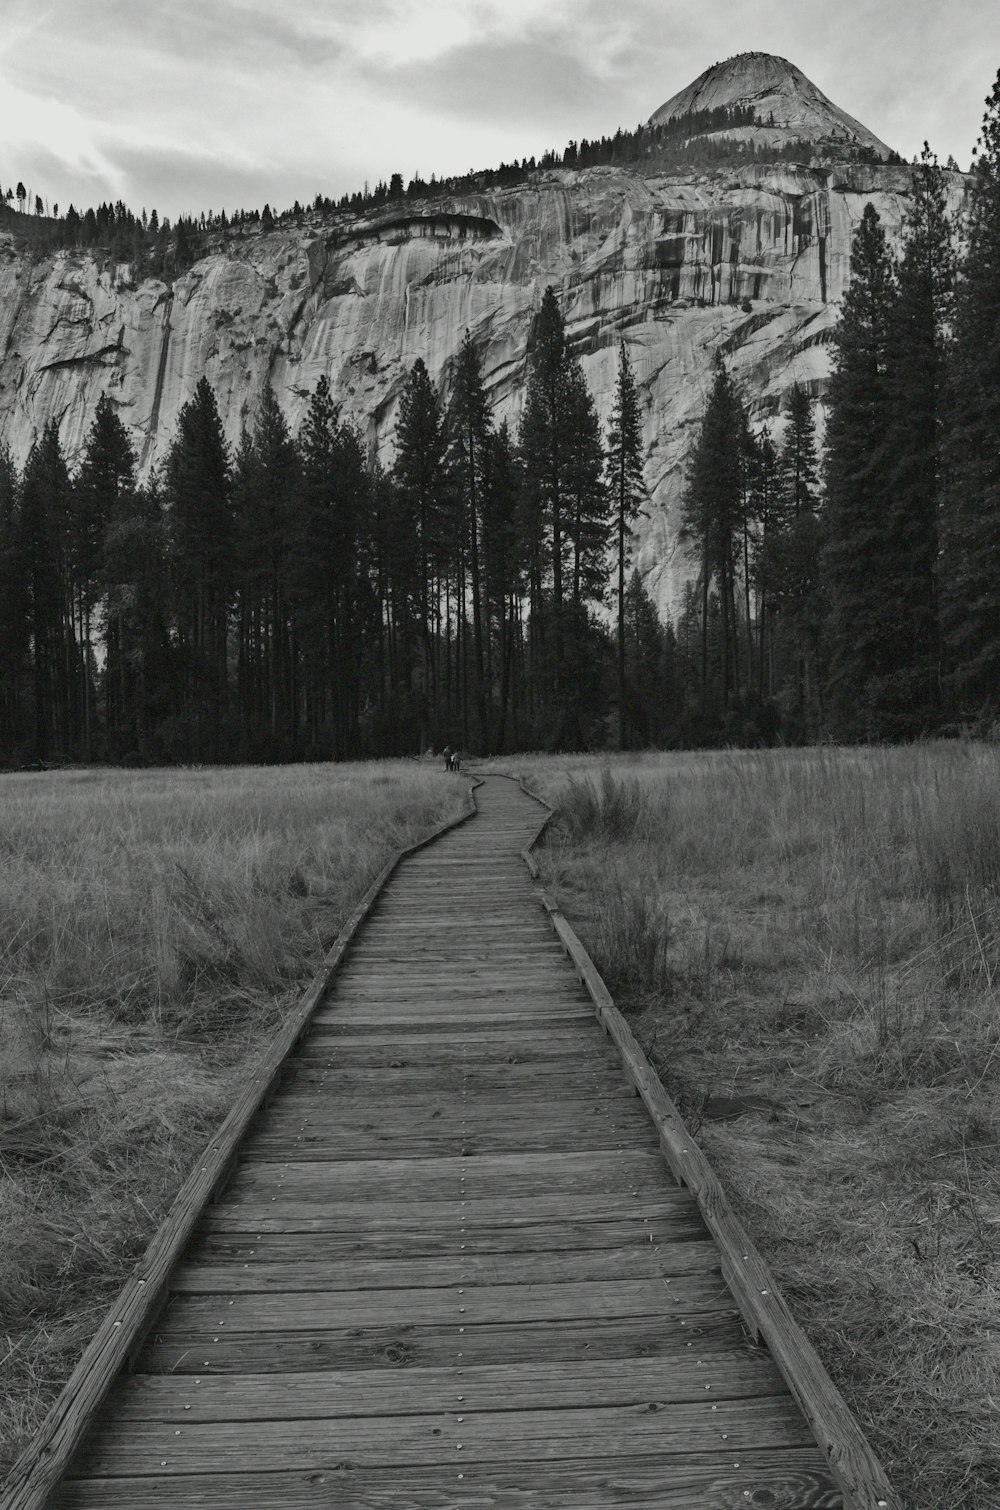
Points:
x=293 y=600
x=694 y=142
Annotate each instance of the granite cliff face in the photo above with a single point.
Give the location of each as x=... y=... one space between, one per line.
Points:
x=668 y=264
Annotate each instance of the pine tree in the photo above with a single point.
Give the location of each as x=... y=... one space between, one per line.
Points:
x=138 y=659
x=505 y=559
x=647 y=711
x=419 y=474
x=197 y=478
x=265 y=490
x=332 y=504
x=627 y=490
x=858 y=568
x=712 y=520
x=543 y=452
x=14 y=614
x=910 y=691
x=42 y=550
x=103 y=497
x=470 y=428
x=971 y=539
x=565 y=512
x=789 y=564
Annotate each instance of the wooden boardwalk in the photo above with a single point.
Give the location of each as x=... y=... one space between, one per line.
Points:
x=451 y=1267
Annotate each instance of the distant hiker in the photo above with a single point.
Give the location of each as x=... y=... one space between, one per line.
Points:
x=456 y=760
x=446 y=752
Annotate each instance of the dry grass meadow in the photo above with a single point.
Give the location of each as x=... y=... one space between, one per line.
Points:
x=154 y=926
x=807 y=943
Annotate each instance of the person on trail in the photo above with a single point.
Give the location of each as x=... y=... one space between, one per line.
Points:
x=446 y=752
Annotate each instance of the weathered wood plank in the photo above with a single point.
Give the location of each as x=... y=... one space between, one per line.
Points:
x=327 y=1394
x=410 y=1346
x=504 y=1436
x=483 y=1175
x=447 y=1215
x=681 y=1227
x=794 y=1479
x=393 y=1144
x=477 y=1305
x=637 y=1261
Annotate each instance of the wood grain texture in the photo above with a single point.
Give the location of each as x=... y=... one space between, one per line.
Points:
x=795 y=1479
x=515 y=1436
x=408 y=1345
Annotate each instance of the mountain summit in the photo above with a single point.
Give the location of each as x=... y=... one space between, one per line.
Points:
x=787 y=106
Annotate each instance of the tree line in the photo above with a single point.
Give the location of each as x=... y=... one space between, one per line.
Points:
x=295 y=600
x=858 y=596
x=291 y=599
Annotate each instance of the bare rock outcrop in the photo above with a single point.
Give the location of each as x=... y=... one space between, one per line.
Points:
x=750 y=262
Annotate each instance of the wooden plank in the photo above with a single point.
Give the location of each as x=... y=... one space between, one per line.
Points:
x=519 y=1211
x=500 y=1437
x=301 y=1105
x=531 y=1080
x=328 y=1394
x=436 y=1106
x=478 y=1305
x=253 y=1276
x=291 y=1247
x=46 y=1456
x=530 y=1137
x=409 y=1346
x=421 y=1016
x=795 y=1479
x=414 y=1180
x=453 y=1059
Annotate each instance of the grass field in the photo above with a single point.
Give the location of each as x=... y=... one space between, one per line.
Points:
x=154 y=926
x=807 y=943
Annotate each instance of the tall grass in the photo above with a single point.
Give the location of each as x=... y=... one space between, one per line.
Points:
x=816 y=935
x=154 y=926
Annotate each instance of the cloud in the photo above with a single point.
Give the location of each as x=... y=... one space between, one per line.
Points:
x=494 y=81
x=205 y=102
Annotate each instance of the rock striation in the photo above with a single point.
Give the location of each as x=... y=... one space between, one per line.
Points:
x=748 y=261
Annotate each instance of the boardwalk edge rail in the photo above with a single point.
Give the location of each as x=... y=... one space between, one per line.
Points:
x=119 y=1339
x=857 y=1471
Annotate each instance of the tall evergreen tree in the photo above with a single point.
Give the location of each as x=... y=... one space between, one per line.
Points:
x=505 y=561
x=858 y=563
x=789 y=565
x=419 y=475
x=42 y=549
x=14 y=610
x=265 y=494
x=921 y=316
x=565 y=514
x=103 y=499
x=712 y=520
x=326 y=555
x=971 y=538
x=470 y=429
x=627 y=491
x=198 y=479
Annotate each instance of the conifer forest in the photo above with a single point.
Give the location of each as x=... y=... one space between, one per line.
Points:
x=292 y=600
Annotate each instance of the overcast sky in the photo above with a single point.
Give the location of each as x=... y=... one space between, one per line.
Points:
x=193 y=105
